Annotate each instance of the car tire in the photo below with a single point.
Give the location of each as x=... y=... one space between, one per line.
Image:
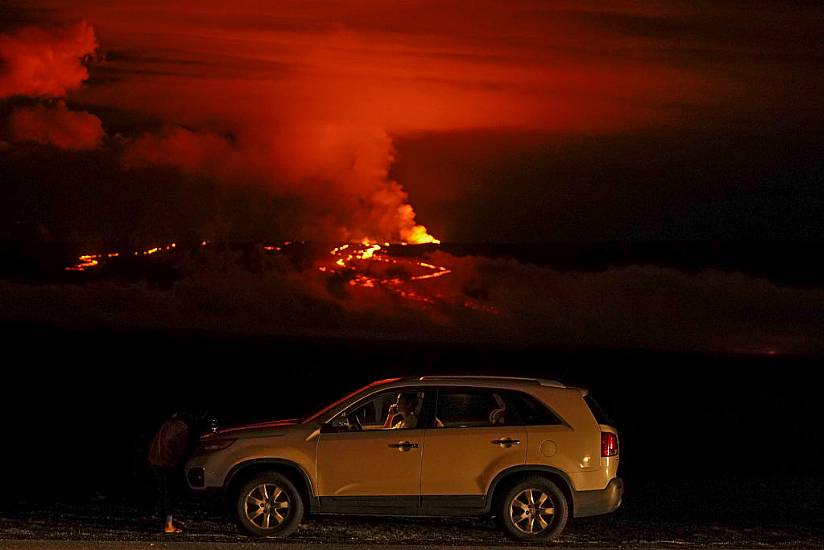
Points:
x=268 y=505
x=534 y=510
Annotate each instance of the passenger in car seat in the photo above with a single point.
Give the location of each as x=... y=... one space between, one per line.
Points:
x=405 y=408
x=498 y=415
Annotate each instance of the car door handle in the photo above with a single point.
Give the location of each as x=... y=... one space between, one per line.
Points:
x=506 y=442
x=404 y=445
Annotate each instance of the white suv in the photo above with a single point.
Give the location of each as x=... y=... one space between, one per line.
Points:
x=529 y=452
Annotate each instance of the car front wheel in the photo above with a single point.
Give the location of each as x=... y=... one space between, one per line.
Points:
x=268 y=506
x=534 y=510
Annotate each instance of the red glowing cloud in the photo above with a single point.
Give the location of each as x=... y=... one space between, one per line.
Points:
x=312 y=95
x=180 y=148
x=56 y=126
x=308 y=99
x=473 y=65
x=45 y=61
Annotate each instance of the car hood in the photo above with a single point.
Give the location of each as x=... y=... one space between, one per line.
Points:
x=253 y=430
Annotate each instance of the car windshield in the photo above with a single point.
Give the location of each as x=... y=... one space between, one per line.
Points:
x=345 y=398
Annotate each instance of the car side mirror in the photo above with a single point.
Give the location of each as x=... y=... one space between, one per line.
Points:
x=338 y=424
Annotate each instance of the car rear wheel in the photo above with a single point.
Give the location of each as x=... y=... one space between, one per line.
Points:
x=268 y=506
x=533 y=510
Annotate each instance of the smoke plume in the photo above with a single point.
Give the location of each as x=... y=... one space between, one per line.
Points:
x=45 y=62
x=56 y=126
x=339 y=173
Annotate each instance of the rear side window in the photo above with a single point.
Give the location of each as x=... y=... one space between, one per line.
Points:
x=531 y=411
x=465 y=408
x=472 y=408
x=598 y=411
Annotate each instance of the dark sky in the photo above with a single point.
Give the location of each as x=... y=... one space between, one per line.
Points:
x=498 y=121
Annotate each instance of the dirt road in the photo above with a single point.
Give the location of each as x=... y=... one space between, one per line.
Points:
x=111 y=528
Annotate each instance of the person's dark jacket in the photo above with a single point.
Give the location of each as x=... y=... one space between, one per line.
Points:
x=170 y=444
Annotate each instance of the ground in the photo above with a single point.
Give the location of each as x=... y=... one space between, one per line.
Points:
x=104 y=522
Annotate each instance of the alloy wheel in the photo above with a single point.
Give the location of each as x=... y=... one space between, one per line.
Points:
x=266 y=506
x=532 y=511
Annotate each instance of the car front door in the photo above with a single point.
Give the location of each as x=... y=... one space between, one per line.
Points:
x=370 y=465
x=476 y=435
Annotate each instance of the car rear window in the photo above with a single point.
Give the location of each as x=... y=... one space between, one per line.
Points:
x=598 y=411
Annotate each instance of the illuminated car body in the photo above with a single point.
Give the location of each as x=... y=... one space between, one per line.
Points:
x=453 y=461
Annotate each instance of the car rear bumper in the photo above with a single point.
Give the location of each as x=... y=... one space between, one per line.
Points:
x=595 y=503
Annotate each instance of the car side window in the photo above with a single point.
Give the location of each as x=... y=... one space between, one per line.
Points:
x=473 y=408
x=388 y=410
x=532 y=411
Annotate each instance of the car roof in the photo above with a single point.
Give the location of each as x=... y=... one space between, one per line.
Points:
x=486 y=381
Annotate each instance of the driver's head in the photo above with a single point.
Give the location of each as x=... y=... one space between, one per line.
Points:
x=406 y=403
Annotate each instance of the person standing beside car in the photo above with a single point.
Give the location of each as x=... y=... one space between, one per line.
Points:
x=168 y=452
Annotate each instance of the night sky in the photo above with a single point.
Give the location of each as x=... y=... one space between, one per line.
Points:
x=498 y=121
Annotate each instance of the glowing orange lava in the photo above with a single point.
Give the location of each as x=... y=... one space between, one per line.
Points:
x=418 y=235
x=353 y=260
x=366 y=265
x=88 y=261
x=85 y=262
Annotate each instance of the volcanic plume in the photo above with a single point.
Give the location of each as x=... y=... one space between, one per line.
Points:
x=45 y=61
x=307 y=101
x=55 y=126
x=44 y=64
x=339 y=174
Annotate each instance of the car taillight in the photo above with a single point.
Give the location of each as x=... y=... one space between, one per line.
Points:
x=609 y=444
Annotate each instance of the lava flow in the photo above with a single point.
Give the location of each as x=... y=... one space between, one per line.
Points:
x=89 y=261
x=369 y=265
x=365 y=265
x=349 y=256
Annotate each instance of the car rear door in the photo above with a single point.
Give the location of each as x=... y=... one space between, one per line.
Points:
x=475 y=437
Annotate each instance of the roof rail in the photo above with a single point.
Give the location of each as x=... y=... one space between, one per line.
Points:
x=539 y=381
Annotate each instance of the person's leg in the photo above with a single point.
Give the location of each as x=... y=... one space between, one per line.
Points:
x=163 y=477
x=171 y=501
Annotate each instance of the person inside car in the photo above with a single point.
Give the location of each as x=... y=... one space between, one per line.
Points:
x=405 y=409
x=499 y=415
